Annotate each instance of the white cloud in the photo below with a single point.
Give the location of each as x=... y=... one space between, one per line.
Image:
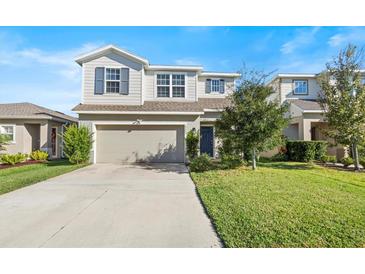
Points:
x=348 y=35
x=187 y=61
x=60 y=62
x=303 y=37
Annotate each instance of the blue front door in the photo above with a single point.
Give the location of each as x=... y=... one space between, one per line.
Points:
x=206 y=140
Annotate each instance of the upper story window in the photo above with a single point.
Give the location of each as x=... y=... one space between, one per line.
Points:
x=300 y=87
x=170 y=85
x=178 y=85
x=9 y=131
x=214 y=86
x=112 y=80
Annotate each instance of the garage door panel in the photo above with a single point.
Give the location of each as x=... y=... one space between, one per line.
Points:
x=140 y=144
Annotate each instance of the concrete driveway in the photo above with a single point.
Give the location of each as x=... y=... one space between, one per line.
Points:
x=108 y=205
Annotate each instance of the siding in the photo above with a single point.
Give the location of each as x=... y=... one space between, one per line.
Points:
x=112 y=60
x=229 y=87
x=150 y=86
x=287 y=89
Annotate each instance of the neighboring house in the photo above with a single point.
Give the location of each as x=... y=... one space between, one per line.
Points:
x=142 y=112
x=31 y=127
x=302 y=92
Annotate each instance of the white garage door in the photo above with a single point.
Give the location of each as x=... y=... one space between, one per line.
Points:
x=139 y=143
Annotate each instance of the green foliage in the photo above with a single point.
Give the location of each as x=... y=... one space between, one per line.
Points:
x=279 y=157
x=39 y=155
x=343 y=97
x=4 y=139
x=77 y=144
x=305 y=151
x=192 y=143
x=201 y=163
x=347 y=161
x=328 y=159
x=231 y=161
x=252 y=122
x=362 y=161
x=12 y=159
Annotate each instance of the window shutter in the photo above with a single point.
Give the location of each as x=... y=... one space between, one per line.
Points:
x=221 y=86
x=99 y=80
x=208 y=85
x=124 y=81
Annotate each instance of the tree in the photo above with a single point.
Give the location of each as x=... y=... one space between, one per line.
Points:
x=252 y=121
x=77 y=144
x=343 y=99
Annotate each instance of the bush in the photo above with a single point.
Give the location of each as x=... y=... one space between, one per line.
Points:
x=231 y=161
x=77 y=143
x=39 y=155
x=192 y=144
x=362 y=161
x=12 y=159
x=347 y=161
x=201 y=163
x=305 y=151
x=279 y=157
x=328 y=159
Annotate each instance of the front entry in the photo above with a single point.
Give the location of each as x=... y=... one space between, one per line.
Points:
x=206 y=140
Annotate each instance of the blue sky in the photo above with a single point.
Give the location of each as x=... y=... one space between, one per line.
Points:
x=36 y=63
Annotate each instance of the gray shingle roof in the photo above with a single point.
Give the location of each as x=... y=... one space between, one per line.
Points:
x=306 y=104
x=29 y=111
x=199 y=106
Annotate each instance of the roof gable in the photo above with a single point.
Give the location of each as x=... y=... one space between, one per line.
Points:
x=109 y=49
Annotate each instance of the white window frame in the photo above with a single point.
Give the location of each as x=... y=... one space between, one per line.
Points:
x=14 y=132
x=300 y=80
x=219 y=80
x=170 y=86
x=105 y=80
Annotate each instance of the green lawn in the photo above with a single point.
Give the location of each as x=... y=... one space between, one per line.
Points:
x=17 y=177
x=285 y=205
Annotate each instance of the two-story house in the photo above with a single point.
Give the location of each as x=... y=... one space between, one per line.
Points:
x=307 y=123
x=142 y=112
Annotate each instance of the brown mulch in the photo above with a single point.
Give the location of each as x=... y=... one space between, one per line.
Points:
x=29 y=162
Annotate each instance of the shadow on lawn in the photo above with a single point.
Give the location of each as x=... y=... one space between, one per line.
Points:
x=288 y=165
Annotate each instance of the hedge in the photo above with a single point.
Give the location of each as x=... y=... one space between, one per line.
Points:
x=305 y=151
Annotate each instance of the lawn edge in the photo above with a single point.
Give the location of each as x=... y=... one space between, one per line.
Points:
x=37 y=182
x=213 y=224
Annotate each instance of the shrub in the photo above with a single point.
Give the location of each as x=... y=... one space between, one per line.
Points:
x=328 y=159
x=305 y=151
x=12 y=159
x=201 y=163
x=362 y=161
x=4 y=139
x=192 y=144
x=39 y=155
x=77 y=143
x=231 y=161
x=279 y=157
x=347 y=161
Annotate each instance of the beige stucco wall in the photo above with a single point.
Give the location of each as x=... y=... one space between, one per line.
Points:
x=30 y=134
x=286 y=89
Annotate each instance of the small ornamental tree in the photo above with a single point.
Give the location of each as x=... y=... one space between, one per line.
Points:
x=252 y=121
x=192 y=144
x=4 y=139
x=343 y=99
x=77 y=144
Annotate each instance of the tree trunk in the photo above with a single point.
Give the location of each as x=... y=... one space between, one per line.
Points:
x=253 y=158
x=356 y=157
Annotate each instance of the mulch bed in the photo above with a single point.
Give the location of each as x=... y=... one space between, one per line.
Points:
x=29 y=162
